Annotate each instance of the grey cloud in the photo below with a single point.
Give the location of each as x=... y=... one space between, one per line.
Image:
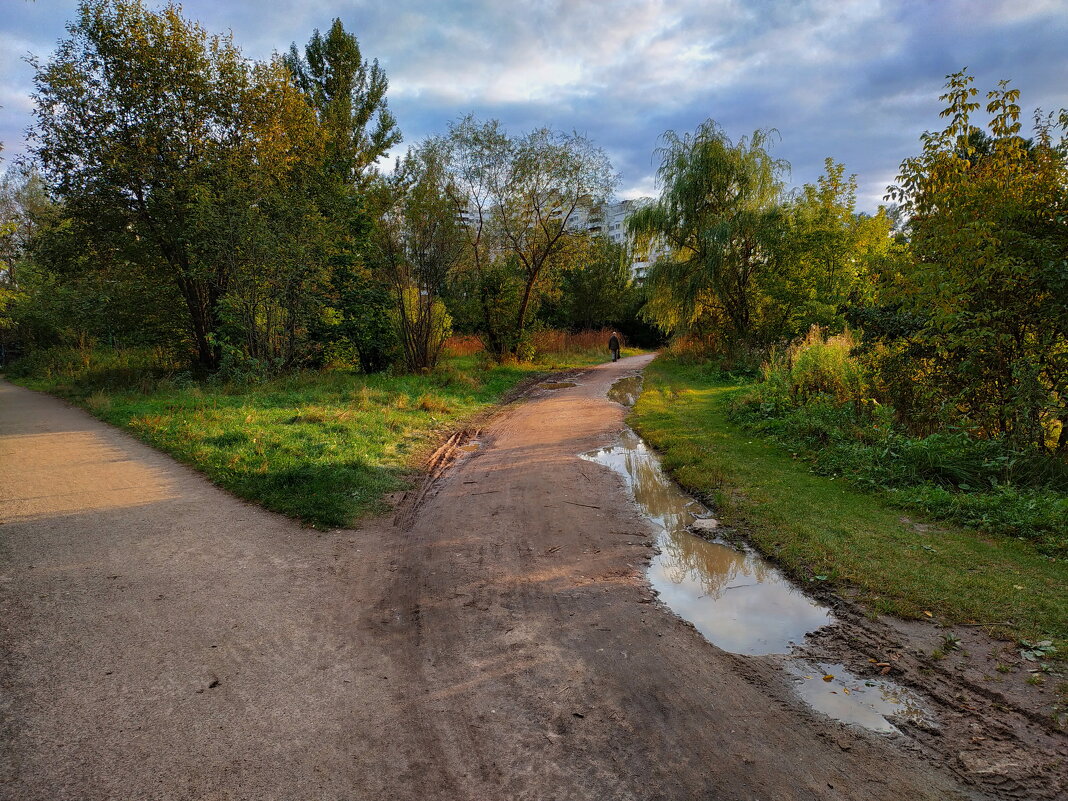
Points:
x=852 y=79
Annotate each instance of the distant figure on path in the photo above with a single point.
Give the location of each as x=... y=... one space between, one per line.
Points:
x=613 y=345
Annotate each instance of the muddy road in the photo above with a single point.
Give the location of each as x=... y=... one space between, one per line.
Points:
x=163 y=640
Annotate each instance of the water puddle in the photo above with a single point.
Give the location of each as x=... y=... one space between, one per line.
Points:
x=837 y=693
x=471 y=446
x=625 y=391
x=734 y=598
x=556 y=384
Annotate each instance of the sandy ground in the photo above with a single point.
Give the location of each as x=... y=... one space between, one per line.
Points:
x=163 y=640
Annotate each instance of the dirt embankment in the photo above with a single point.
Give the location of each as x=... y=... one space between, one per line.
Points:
x=163 y=640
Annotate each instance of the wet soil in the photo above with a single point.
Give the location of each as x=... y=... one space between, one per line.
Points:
x=1008 y=739
x=737 y=600
x=496 y=639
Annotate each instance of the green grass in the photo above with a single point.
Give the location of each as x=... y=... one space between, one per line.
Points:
x=818 y=526
x=323 y=447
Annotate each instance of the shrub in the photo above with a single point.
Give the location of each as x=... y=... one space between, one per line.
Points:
x=812 y=400
x=821 y=366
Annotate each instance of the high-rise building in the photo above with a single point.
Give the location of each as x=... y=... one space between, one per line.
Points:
x=610 y=220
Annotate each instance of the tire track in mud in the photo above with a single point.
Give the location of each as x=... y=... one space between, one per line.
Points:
x=549 y=673
x=501 y=642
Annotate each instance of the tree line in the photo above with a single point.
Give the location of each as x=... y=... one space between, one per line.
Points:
x=959 y=289
x=182 y=195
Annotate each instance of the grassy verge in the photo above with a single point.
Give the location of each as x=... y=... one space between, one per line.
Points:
x=822 y=529
x=323 y=447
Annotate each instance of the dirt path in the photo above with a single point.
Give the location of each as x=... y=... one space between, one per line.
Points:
x=163 y=640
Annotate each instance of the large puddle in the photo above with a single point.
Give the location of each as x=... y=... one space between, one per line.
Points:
x=736 y=599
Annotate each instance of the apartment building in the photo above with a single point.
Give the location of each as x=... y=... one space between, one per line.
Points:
x=608 y=219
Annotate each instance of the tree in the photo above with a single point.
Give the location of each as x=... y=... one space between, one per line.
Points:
x=521 y=200
x=416 y=245
x=154 y=133
x=988 y=228
x=349 y=97
x=826 y=258
x=719 y=213
x=599 y=290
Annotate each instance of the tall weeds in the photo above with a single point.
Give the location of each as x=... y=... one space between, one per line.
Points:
x=816 y=398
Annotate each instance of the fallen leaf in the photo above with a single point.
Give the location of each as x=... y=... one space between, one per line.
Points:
x=829 y=677
x=927 y=613
x=884 y=671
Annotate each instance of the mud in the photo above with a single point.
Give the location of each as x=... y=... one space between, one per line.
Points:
x=495 y=639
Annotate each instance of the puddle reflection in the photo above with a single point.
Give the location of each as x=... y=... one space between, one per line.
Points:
x=736 y=600
x=845 y=697
x=625 y=391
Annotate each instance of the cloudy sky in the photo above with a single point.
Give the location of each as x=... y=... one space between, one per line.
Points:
x=857 y=80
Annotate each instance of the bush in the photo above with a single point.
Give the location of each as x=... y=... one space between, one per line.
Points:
x=825 y=367
x=812 y=400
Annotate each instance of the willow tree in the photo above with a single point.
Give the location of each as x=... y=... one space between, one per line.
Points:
x=719 y=216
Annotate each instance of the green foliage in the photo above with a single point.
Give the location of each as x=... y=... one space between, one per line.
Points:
x=88 y=370
x=366 y=316
x=720 y=216
x=988 y=224
x=179 y=162
x=814 y=401
x=416 y=247
x=598 y=290
x=177 y=154
x=1034 y=651
x=423 y=326
x=348 y=94
x=63 y=287
x=825 y=260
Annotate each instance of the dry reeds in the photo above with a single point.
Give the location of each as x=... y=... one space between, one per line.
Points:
x=463 y=345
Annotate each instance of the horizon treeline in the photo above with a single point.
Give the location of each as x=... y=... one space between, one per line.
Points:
x=231 y=212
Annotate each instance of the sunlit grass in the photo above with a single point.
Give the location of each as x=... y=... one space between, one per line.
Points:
x=819 y=526
x=324 y=447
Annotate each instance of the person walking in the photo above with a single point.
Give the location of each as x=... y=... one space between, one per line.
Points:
x=613 y=345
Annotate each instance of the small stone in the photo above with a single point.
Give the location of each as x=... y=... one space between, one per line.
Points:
x=705 y=524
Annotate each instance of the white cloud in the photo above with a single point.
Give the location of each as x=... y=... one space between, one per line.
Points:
x=854 y=79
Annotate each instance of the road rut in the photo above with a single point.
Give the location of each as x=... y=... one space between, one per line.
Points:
x=164 y=640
